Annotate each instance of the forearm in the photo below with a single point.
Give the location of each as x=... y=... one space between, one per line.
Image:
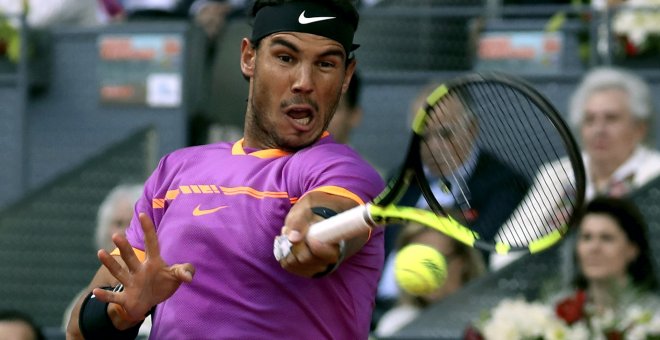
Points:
x=309 y=256
x=338 y=204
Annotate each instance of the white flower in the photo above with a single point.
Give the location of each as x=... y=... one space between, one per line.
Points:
x=578 y=331
x=637 y=20
x=519 y=319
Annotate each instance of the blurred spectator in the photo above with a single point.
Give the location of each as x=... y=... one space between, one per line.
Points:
x=463 y=264
x=612 y=112
x=49 y=13
x=210 y=15
x=16 y=325
x=613 y=266
x=612 y=109
x=115 y=213
x=484 y=176
x=349 y=113
x=113 y=216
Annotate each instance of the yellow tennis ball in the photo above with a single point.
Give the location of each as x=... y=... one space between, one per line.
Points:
x=419 y=269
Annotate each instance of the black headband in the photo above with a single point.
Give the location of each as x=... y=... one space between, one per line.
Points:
x=305 y=17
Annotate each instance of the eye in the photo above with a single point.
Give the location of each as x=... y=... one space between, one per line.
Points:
x=285 y=58
x=326 y=64
x=585 y=237
x=608 y=238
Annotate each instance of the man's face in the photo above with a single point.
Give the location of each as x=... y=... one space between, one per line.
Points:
x=450 y=136
x=296 y=82
x=609 y=130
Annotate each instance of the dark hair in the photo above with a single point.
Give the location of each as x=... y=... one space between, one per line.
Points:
x=633 y=224
x=15 y=315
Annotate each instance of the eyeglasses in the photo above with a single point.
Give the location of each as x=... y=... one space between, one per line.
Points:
x=448 y=131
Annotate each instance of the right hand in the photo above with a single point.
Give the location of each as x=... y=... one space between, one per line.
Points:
x=147 y=283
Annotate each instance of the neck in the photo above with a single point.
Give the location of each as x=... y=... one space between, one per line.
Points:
x=605 y=293
x=601 y=173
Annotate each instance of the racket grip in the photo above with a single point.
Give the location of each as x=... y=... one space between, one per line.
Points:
x=343 y=226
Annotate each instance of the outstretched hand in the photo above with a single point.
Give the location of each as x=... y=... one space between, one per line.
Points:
x=147 y=283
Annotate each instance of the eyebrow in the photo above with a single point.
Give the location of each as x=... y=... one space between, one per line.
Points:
x=331 y=52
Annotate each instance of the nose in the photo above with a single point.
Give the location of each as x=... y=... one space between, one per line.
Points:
x=303 y=81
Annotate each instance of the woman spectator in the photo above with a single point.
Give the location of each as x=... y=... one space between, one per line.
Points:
x=614 y=270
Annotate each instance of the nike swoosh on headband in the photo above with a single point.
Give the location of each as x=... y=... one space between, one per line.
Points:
x=303 y=20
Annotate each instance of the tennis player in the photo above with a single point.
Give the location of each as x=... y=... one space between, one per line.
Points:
x=198 y=254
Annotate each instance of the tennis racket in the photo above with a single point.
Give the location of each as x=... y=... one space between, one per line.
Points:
x=464 y=120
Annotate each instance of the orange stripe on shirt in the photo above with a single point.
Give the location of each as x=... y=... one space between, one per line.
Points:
x=158 y=203
x=253 y=192
x=237 y=149
x=141 y=255
x=339 y=191
x=171 y=194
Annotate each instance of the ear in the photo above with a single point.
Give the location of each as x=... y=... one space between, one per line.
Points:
x=350 y=68
x=248 y=56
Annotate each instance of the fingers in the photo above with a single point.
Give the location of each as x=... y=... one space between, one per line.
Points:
x=295 y=236
x=311 y=257
x=108 y=296
x=126 y=251
x=329 y=252
x=183 y=272
x=152 y=249
x=113 y=266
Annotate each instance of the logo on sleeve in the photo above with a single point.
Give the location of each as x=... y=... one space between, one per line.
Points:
x=202 y=212
x=303 y=20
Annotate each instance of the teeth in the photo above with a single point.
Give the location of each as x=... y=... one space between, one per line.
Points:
x=303 y=121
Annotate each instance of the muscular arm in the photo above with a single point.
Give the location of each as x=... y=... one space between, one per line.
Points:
x=310 y=256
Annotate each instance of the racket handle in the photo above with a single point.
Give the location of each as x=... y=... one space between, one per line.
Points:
x=344 y=226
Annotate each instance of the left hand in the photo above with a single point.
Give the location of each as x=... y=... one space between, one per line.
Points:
x=147 y=283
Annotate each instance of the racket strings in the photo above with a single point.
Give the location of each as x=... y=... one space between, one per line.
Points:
x=448 y=147
x=500 y=101
x=520 y=232
x=504 y=105
x=542 y=211
x=556 y=183
x=514 y=102
x=512 y=127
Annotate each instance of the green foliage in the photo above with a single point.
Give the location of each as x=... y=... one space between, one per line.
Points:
x=10 y=43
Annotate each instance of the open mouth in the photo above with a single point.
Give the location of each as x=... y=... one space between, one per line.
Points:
x=301 y=115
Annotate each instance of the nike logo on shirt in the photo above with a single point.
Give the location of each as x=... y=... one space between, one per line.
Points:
x=202 y=212
x=303 y=20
